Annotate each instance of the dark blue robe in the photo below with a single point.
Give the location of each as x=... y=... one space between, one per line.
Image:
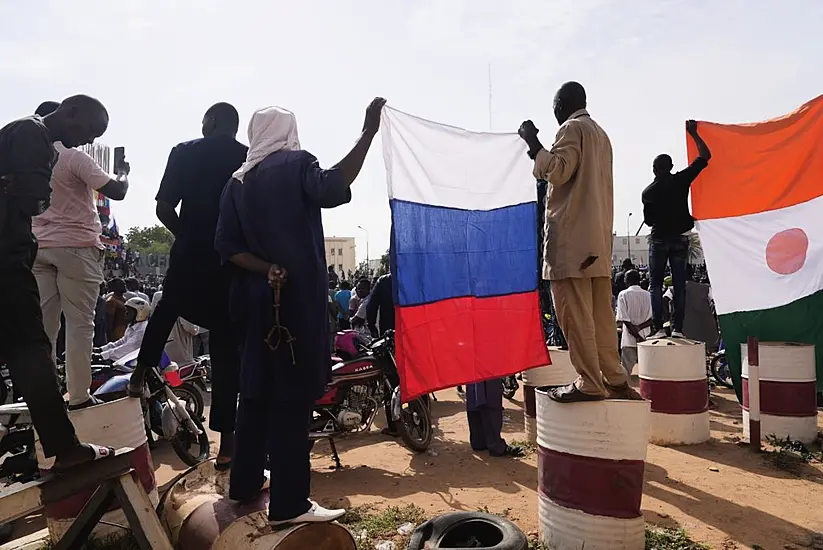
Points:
x=275 y=215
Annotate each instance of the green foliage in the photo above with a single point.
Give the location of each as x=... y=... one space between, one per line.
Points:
x=665 y=538
x=385 y=263
x=789 y=455
x=150 y=240
x=381 y=525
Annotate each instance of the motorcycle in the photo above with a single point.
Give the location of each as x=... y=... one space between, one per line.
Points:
x=510 y=387
x=719 y=367
x=364 y=379
x=165 y=415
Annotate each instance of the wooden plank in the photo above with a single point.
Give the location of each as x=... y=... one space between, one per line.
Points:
x=142 y=518
x=20 y=499
x=92 y=512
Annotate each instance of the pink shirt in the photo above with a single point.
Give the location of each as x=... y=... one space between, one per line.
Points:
x=72 y=220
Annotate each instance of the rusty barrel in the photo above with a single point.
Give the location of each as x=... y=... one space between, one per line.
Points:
x=199 y=516
x=115 y=424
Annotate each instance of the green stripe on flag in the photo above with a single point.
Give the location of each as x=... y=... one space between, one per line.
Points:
x=800 y=321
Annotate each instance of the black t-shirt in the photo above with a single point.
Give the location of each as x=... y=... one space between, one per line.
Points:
x=196 y=173
x=666 y=202
x=27 y=157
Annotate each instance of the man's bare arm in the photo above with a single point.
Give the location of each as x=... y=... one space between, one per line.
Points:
x=168 y=217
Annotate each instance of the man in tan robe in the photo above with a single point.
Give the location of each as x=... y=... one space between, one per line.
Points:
x=578 y=245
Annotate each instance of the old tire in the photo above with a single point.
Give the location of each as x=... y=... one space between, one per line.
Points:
x=468 y=530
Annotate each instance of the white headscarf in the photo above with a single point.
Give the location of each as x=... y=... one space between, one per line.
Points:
x=271 y=129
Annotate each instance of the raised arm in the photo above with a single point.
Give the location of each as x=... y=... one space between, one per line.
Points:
x=702 y=149
x=85 y=169
x=352 y=163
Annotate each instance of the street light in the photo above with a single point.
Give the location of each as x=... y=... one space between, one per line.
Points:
x=629 y=236
x=368 y=266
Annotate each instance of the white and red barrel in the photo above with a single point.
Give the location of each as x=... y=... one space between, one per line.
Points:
x=115 y=424
x=559 y=373
x=788 y=394
x=591 y=460
x=673 y=378
x=198 y=516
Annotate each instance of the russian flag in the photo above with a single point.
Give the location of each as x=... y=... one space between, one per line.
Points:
x=463 y=254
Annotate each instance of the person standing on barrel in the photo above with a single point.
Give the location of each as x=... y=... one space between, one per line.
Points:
x=578 y=245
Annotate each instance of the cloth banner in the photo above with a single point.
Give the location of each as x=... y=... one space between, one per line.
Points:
x=463 y=254
x=759 y=212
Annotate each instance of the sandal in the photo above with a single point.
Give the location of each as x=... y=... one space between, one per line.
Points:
x=101 y=452
x=222 y=466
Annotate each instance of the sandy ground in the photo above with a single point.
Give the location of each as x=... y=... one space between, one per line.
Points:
x=721 y=493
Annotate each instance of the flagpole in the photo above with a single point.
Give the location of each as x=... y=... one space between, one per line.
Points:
x=490 y=97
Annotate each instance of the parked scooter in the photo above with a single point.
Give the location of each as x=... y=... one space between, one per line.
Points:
x=719 y=367
x=364 y=380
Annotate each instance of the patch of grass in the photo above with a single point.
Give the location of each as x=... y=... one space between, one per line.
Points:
x=529 y=447
x=665 y=538
x=506 y=513
x=789 y=455
x=125 y=541
x=381 y=525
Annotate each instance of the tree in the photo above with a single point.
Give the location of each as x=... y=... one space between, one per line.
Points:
x=385 y=263
x=150 y=240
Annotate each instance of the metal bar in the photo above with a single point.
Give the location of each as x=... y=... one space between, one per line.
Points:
x=754 y=393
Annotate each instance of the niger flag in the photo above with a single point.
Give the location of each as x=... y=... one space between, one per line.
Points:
x=759 y=212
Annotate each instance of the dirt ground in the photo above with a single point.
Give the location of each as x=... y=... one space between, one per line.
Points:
x=721 y=493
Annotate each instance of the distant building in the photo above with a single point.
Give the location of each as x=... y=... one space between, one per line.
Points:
x=639 y=246
x=640 y=250
x=340 y=253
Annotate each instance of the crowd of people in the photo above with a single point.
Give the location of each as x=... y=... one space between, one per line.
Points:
x=248 y=260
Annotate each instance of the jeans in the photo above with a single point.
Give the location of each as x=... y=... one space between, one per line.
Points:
x=69 y=282
x=675 y=252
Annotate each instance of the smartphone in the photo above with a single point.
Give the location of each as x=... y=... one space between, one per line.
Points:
x=119 y=159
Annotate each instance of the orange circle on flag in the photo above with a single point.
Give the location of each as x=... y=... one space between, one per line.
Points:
x=786 y=251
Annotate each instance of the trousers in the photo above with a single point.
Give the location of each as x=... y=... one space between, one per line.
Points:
x=675 y=252
x=279 y=431
x=224 y=354
x=26 y=348
x=69 y=282
x=585 y=313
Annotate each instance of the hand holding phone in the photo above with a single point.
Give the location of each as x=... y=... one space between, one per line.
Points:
x=121 y=167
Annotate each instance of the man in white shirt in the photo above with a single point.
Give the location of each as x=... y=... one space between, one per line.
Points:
x=137 y=314
x=133 y=286
x=634 y=312
x=69 y=262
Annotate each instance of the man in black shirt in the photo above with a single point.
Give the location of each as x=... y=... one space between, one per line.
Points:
x=666 y=211
x=27 y=158
x=196 y=284
x=382 y=302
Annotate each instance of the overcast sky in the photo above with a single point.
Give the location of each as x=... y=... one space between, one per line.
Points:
x=647 y=66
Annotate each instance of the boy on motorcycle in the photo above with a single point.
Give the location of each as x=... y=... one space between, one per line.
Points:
x=137 y=316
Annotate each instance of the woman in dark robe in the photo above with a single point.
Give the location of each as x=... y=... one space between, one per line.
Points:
x=271 y=232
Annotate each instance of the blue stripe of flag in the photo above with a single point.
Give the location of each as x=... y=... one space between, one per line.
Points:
x=440 y=253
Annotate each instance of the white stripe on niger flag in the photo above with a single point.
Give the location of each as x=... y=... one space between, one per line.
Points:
x=748 y=273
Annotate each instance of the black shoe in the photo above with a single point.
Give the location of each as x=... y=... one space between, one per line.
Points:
x=571 y=394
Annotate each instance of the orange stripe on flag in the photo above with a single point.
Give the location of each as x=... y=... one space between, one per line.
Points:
x=762 y=166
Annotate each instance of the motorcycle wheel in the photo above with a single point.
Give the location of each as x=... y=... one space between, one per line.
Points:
x=510 y=388
x=721 y=372
x=184 y=440
x=193 y=398
x=415 y=426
